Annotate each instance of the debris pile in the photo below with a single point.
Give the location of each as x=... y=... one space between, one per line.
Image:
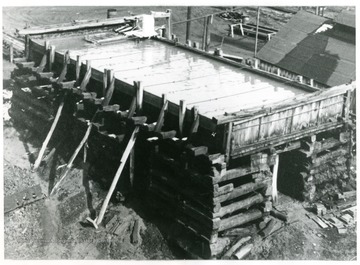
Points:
x=341 y=216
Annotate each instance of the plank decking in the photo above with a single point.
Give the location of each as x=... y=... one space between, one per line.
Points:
x=213 y=86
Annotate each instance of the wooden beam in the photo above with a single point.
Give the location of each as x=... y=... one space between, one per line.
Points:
x=168 y=25
x=228 y=136
x=85 y=24
x=42 y=64
x=69 y=164
x=47 y=45
x=124 y=157
x=239 y=219
x=77 y=68
x=51 y=57
x=204 y=34
x=160 y=120
x=242 y=190
x=206 y=40
x=246 y=203
x=132 y=168
x=48 y=137
x=139 y=96
x=27 y=47
x=235 y=246
x=132 y=108
x=195 y=124
x=64 y=70
x=188 y=23
x=11 y=53
x=182 y=112
x=105 y=81
x=110 y=89
x=87 y=76
x=274 y=180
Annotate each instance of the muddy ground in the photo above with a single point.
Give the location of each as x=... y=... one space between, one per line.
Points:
x=55 y=228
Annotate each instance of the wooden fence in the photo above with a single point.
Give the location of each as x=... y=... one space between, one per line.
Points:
x=303 y=116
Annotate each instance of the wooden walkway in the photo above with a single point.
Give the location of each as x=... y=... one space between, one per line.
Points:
x=213 y=86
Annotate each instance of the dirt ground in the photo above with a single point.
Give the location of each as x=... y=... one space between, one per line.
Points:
x=55 y=228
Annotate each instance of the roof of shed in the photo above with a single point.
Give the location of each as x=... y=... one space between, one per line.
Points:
x=301 y=47
x=346 y=17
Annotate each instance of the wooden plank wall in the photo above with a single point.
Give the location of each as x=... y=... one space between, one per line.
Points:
x=287 y=121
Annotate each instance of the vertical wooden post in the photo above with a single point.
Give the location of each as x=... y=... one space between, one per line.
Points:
x=168 y=25
x=48 y=137
x=311 y=82
x=110 y=90
x=188 y=24
x=47 y=45
x=139 y=107
x=195 y=123
x=47 y=52
x=88 y=65
x=161 y=117
x=139 y=96
x=132 y=168
x=204 y=34
x=51 y=57
x=257 y=30
x=188 y=43
x=11 y=53
x=300 y=79
x=347 y=103
x=218 y=52
x=231 y=31
x=77 y=68
x=87 y=76
x=105 y=81
x=274 y=180
x=124 y=157
x=27 y=47
x=256 y=64
x=278 y=71
x=227 y=137
x=206 y=40
x=64 y=69
x=182 y=112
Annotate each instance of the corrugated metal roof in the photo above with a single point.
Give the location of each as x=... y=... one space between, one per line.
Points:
x=346 y=17
x=322 y=56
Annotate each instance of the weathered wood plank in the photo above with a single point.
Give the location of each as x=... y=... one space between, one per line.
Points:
x=239 y=219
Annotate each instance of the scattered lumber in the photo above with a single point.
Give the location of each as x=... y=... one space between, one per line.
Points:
x=269 y=228
x=244 y=251
x=123 y=225
x=237 y=232
x=235 y=246
x=320 y=209
x=135 y=235
x=281 y=216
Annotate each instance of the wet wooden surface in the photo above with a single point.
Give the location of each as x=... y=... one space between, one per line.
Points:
x=213 y=86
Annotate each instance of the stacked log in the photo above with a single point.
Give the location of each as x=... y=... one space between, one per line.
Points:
x=201 y=195
x=35 y=101
x=324 y=170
